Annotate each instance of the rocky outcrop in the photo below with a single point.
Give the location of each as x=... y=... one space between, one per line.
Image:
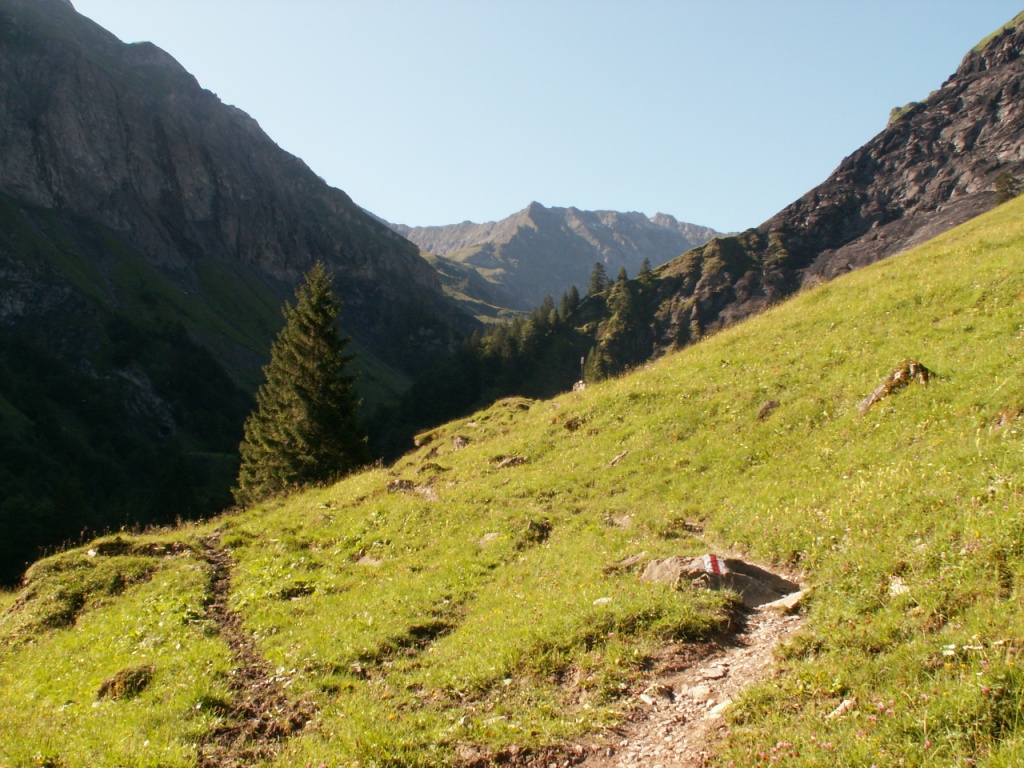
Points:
x=933 y=167
x=543 y=251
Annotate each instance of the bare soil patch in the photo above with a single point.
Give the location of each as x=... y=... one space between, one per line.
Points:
x=260 y=715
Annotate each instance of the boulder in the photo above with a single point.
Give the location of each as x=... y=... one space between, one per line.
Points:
x=754 y=585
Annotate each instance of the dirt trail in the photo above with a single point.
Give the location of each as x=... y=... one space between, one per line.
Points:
x=260 y=715
x=681 y=714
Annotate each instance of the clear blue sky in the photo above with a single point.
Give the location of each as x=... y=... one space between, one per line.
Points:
x=719 y=112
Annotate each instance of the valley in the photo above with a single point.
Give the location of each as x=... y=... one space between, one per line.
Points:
x=591 y=430
x=465 y=604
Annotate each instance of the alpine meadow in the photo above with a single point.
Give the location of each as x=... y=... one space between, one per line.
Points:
x=568 y=488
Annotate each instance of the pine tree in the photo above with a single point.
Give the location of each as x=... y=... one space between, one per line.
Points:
x=597 y=365
x=645 y=275
x=570 y=303
x=304 y=429
x=598 y=280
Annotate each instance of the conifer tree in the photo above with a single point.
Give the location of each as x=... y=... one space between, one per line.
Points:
x=598 y=280
x=304 y=429
x=645 y=275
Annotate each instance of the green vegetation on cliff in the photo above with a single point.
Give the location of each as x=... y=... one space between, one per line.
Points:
x=463 y=603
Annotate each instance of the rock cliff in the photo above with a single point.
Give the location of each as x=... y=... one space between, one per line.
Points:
x=123 y=136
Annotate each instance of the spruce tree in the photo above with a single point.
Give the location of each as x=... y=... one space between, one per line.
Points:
x=598 y=280
x=304 y=429
x=645 y=275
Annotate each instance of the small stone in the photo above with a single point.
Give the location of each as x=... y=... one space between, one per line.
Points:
x=787 y=604
x=714 y=673
x=511 y=461
x=659 y=690
x=846 y=706
x=721 y=707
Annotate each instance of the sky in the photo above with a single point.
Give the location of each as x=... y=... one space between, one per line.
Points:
x=429 y=112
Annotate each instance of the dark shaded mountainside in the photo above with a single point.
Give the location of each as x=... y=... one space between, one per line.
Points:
x=934 y=166
x=542 y=251
x=148 y=236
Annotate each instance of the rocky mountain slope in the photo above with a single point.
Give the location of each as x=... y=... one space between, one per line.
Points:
x=149 y=235
x=122 y=135
x=934 y=166
x=543 y=251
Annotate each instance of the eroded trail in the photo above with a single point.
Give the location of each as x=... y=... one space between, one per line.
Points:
x=260 y=716
x=682 y=708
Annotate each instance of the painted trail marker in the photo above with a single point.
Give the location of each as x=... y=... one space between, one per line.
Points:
x=714 y=564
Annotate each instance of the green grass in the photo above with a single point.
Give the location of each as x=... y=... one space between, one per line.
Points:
x=466 y=286
x=1014 y=22
x=446 y=601
x=97 y=615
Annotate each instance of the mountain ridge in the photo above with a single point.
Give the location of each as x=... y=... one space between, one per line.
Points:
x=194 y=178
x=542 y=251
x=933 y=167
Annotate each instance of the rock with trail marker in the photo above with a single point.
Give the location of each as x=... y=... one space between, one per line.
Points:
x=754 y=585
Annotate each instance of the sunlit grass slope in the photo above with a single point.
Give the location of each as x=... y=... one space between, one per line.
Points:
x=456 y=600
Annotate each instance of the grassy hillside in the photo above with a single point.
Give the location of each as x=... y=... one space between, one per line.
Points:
x=465 y=286
x=453 y=606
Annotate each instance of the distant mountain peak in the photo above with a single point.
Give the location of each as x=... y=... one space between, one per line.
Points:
x=541 y=251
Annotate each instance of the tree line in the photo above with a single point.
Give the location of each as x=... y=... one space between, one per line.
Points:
x=591 y=337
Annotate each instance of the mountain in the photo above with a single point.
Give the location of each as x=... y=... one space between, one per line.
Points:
x=934 y=166
x=541 y=251
x=149 y=235
x=123 y=136
x=481 y=602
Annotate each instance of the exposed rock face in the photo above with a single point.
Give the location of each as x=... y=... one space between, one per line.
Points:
x=933 y=167
x=544 y=251
x=124 y=136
